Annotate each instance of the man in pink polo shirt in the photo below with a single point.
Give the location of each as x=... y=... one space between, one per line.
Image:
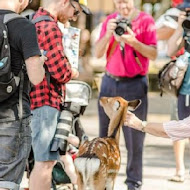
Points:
x=128 y=57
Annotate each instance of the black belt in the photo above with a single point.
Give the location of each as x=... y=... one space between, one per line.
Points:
x=122 y=78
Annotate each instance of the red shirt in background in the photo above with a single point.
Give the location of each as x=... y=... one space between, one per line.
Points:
x=144 y=28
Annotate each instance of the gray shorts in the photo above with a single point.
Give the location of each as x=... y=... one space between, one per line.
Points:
x=43 y=125
x=15 y=144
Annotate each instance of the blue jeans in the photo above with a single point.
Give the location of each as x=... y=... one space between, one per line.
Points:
x=130 y=89
x=15 y=145
x=43 y=125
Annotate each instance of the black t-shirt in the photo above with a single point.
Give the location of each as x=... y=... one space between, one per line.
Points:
x=23 y=43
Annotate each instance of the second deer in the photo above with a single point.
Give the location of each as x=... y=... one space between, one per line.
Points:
x=98 y=161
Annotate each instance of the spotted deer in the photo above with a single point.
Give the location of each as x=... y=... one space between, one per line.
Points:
x=98 y=160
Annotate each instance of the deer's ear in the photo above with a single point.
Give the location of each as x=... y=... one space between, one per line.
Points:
x=116 y=105
x=133 y=105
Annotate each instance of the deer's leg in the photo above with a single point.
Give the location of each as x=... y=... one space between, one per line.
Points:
x=99 y=182
x=80 y=181
x=110 y=184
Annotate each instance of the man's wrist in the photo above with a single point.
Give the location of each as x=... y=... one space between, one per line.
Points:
x=143 y=126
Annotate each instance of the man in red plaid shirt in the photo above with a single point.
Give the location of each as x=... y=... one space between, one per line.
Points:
x=47 y=96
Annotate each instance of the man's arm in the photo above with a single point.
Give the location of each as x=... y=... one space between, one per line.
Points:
x=35 y=69
x=164 y=33
x=155 y=129
x=176 y=41
x=148 y=51
x=57 y=63
x=102 y=44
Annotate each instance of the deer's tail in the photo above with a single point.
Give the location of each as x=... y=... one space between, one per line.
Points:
x=87 y=167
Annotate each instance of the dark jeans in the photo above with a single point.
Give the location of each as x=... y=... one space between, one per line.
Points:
x=15 y=144
x=130 y=89
x=183 y=109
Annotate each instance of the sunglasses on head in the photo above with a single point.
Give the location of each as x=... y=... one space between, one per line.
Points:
x=76 y=12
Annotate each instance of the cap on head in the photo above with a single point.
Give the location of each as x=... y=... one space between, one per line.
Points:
x=83 y=4
x=184 y=5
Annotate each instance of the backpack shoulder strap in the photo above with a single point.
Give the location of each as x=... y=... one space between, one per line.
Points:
x=9 y=17
x=41 y=18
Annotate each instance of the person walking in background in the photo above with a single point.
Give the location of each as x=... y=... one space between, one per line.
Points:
x=15 y=133
x=127 y=57
x=166 y=26
x=183 y=97
x=47 y=97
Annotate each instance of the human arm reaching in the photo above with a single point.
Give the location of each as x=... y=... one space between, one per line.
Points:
x=155 y=129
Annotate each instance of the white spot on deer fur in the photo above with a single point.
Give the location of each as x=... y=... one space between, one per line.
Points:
x=104 y=155
x=117 y=162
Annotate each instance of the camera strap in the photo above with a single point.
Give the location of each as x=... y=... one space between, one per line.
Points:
x=115 y=43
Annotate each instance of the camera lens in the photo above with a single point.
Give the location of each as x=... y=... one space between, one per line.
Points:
x=122 y=25
x=186 y=25
x=119 y=30
x=63 y=129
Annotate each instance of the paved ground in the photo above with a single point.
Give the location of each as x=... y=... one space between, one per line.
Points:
x=159 y=162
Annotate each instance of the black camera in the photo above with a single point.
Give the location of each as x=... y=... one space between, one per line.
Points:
x=186 y=28
x=122 y=25
x=186 y=24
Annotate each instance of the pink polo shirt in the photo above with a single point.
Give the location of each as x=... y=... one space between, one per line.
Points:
x=144 y=28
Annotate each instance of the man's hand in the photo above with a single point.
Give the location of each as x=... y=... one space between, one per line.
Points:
x=111 y=26
x=129 y=38
x=182 y=16
x=74 y=73
x=132 y=121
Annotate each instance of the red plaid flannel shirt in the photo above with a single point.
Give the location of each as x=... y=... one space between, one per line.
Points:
x=50 y=40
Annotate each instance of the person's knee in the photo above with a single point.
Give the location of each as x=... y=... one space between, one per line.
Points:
x=44 y=166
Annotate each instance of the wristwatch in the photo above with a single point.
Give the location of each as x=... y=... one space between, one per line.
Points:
x=143 y=124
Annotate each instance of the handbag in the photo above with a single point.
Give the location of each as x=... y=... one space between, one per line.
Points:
x=170 y=77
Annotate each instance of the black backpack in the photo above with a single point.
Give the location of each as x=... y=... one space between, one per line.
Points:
x=8 y=81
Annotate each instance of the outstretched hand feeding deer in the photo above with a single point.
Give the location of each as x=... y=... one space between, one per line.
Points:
x=98 y=160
